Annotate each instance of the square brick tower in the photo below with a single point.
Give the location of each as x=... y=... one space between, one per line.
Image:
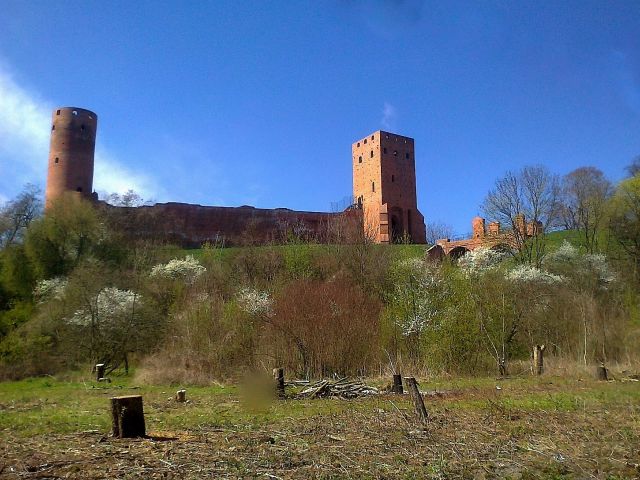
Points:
x=384 y=183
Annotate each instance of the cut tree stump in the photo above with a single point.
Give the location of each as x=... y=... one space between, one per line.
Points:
x=416 y=397
x=278 y=374
x=100 y=369
x=397 y=384
x=181 y=396
x=601 y=372
x=538 y=359
x=127 y=416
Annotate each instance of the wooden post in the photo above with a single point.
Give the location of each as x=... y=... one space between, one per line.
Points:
x=418 y=402
x=278 y=374
x=100 y=369
x=538 y=359
x=181 y=396
x=397 y=384
x=127 y=416
x=601 y=372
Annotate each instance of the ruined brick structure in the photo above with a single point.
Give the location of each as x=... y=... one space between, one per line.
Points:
x=481 y=236
x=71 y=152
x=384 y=185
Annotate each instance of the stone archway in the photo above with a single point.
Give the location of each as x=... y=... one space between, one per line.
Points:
x=458 y=252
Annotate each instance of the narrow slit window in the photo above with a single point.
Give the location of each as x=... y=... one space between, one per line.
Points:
x=57 y=160
x=365 y=141
x=371 y=137
x=406 y=155
x=393 y=178
x=360 y=159
x=57 y=112
x=358 y=144
x=384 y=150
x=82 y=128
x=395 y=153
x=53 y=127
x=371 y=153
x=373 y=186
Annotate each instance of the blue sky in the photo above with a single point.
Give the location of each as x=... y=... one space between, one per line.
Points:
x=232 y=103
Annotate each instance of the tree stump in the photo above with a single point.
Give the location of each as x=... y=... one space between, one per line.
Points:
x=397 y=384
x=278 y=374
x=538 y=359
x=418 y=402
x=127 y=416
x=100 y=370
x=181 y=396
x=601 y=372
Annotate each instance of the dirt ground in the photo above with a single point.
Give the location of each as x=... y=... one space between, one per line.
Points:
x=471 y=433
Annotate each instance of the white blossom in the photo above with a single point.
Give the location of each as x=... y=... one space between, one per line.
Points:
x=255 y=302
x=50 y=289
x=481 y=260
x=187 y=270
x=529 y=274
x=569 y=260
x=107 y=307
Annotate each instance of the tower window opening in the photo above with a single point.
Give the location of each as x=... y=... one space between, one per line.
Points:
x=387 y=137
x=405 y=140
x=360 y=159
x=79 y=189
x=358 y=144
x=395 y=153
x=384 y=150
x=82 y=128
x=53 y=127
x=57 y=112
x=57 y=160
x=365 y=141
x=371 y=153
x=393 y=178
x=75 y=112
x=406 y=155
x=373 y=186
x=371 y=137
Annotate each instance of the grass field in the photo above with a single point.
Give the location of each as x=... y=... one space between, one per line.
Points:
x=524 y=427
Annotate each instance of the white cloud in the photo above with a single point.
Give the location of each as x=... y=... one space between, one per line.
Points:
x=389 y=115
x=25 y=119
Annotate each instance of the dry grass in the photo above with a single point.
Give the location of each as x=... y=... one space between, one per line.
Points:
x=529 y=428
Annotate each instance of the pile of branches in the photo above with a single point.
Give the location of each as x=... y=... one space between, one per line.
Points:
x=341 y=388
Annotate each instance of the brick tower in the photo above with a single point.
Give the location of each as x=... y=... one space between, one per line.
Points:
x=384 y=182
x=71 y=153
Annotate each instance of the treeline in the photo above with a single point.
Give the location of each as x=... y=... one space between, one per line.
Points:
x=75 y=291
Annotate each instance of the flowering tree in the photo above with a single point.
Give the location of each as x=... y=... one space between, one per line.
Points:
x=187 y=270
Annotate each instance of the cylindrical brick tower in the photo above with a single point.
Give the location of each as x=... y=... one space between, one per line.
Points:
x=71 y=153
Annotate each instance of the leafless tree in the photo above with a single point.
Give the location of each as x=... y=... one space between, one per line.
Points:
x=17 y=214
x=585 y=192
x=634 y=168
x=437 y=230
x=534 y=193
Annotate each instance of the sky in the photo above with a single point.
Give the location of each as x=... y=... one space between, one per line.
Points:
x=257 y=103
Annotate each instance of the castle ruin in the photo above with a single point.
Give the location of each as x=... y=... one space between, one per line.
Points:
x=384 y=189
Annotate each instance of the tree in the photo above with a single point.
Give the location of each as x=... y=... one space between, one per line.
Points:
x=533 y=192
x=585 y=192
x=624 y=217
x=438 y=230
x=17 y=214
x=634 y=168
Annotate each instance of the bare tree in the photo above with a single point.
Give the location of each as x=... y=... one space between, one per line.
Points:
x=528 y=201
x=634 y=168
x=17 y=214
x=585 y=193
x=437 y=230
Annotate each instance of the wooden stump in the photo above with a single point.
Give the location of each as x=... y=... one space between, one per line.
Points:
x=397 y=384
x=418 y=402
x=127 y=416
x=181 y=396
x=601 y=372
x=538 y=359
x=100 y=369
x=278 y=374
